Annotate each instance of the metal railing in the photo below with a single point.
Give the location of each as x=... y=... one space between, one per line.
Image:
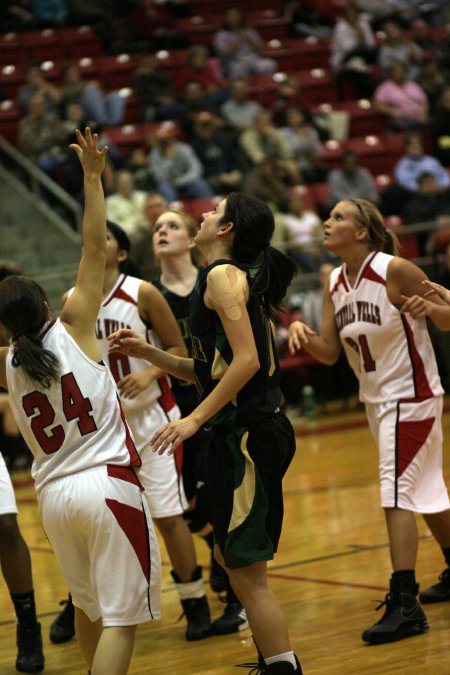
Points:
x=32 y=184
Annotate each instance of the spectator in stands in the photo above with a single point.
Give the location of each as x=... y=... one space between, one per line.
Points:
x=407 y=172
x=202 y=67
x=432 y=79
x=240 y=110
x=402 y=101
x=397 y=47
x=353 y=47
x=378 y=12
x=50 y=14
x=152 y=86
x=126 y=205
x=104 y=108
x=42 y=136
x=216 y=153
x=16 y=15
x=421 y=35
x=263 y=182
x=153 y=22
x=304 y=20
x=115 y=29
x=175 y=168
x=351 y=181
x=303 y=233
x=440 y=128
x=264 y=141
x=141 y=251
x=37 y=84
x=415 y=163
x=303 y=143
x=288 y=94
x=238 y=47
x=429 y=204
x=194 y=99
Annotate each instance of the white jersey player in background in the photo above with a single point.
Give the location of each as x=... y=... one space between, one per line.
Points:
x=67 y=408
x=367 y=311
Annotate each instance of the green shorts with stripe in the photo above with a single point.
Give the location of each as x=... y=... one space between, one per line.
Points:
x=245 y=468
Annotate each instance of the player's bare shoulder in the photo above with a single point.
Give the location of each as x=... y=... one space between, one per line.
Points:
x=227 y=288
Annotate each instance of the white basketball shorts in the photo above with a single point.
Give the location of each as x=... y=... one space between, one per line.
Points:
x=409 y=437
x=99 y=527
x=7 y=499
x=159 y=474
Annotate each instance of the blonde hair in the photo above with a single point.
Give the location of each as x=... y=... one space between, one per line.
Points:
x=379 y=238
x=190 y=225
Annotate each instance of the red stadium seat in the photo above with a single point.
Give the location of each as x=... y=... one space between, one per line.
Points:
x=409 y=245
x=373 y=152
x=9 y=121
x=116 y=71
x=128 y=137
x=197 y=207
x=80 y=41
x=333 y=152
x=44 y=45
x=199 y=28
x=11 y=50
x=11 y=78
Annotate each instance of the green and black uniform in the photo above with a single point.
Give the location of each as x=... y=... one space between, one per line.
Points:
x=194 y=448
x=252 y=441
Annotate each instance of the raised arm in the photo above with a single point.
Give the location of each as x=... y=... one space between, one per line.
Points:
x=81 y=308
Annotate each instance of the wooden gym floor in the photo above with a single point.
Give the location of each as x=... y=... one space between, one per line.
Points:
x=330 y=573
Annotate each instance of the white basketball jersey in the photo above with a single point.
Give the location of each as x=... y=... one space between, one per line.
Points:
x=120 y=310
x=76 y=423
x=391 y=353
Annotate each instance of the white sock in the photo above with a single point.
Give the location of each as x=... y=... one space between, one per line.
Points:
x=286 y=656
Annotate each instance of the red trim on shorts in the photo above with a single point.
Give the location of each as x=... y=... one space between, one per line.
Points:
x=410 y=438
x=125 y=473
x=167 y=398
x=179 y=452
x=133 y=523
x=421 y=384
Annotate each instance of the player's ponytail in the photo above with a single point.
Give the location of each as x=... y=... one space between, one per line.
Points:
x=24 y=309
x=380 y=238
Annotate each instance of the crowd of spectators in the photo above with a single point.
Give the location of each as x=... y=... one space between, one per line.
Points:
x=212 y=133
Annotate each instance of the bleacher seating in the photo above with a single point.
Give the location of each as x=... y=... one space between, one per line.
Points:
x=305 y=58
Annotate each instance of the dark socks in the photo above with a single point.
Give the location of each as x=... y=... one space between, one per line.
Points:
x=446 y=552
x=231 y=595
x=209 y=538
x=25 y=608
x=405 y=580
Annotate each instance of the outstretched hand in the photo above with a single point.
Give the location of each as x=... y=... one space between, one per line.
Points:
x=128 y=342
x=91 y=158
x=298 y=335
x=443 y=292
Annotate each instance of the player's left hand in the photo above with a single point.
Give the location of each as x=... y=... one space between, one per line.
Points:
x=133 y=384
x=417 y=306
x=171 y=435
